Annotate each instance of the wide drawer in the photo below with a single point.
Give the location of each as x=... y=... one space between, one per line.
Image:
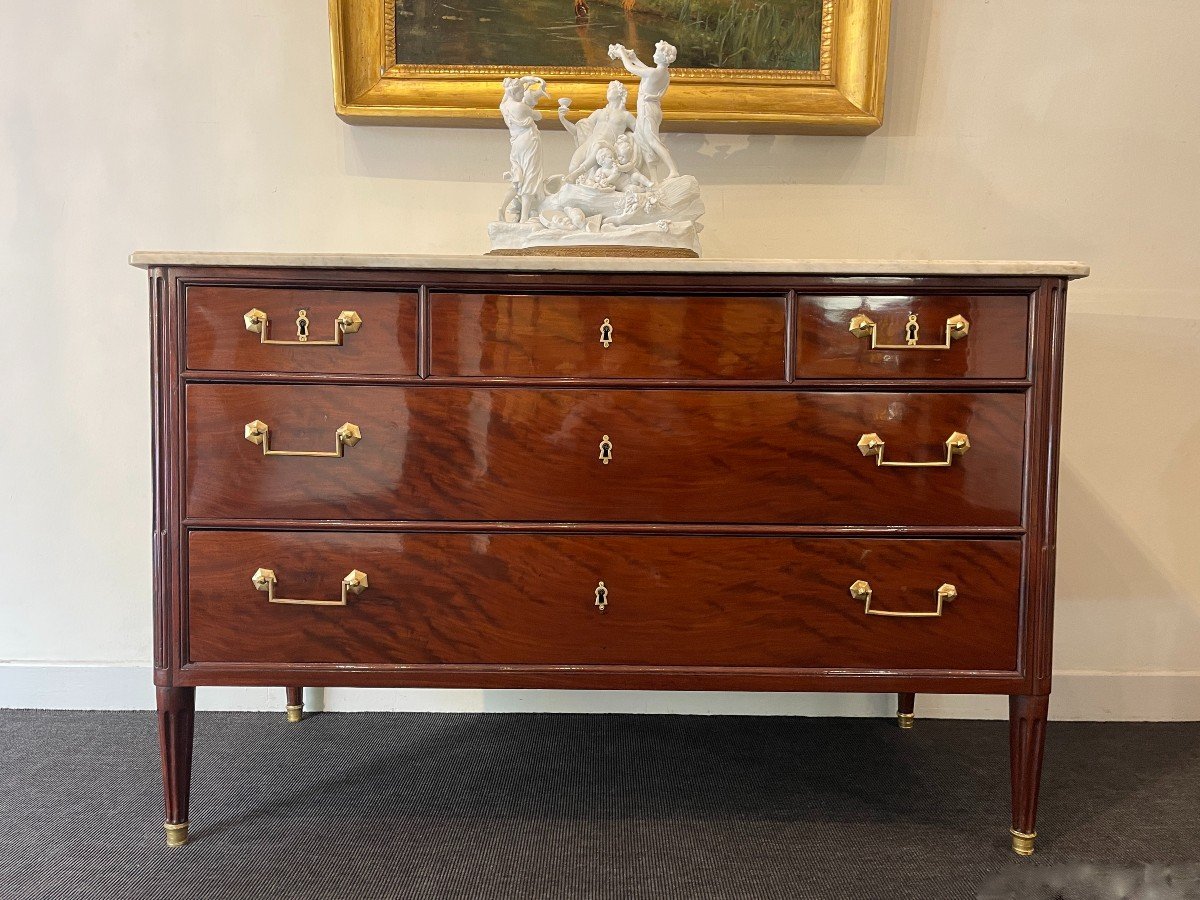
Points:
x=955 y=336
x=512 y=599
x=241 y=329
x=563 y=336
x=502 y=454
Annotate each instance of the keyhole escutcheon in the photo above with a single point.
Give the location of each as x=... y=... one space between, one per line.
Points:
x=302 y=325
x=606 y=449
x=601 y=596
x=911 y=329
x=606 y=334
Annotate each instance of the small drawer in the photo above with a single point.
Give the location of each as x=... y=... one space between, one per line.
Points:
x=490 y=454
x=240 y=329
x=561 y=336
x=436 y=598
x=930 y=336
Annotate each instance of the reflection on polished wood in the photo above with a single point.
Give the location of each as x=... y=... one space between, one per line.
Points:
x=672 y=601
x=661 y=337
x=495 y=454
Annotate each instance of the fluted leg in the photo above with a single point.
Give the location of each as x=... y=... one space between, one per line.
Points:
x=904 y=709
x=1027 y=738
x=295 y=704
x=176 y=715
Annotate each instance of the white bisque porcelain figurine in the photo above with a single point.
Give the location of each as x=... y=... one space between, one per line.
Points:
x=622 y=192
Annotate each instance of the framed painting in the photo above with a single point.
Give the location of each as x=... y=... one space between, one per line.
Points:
x=815 y=66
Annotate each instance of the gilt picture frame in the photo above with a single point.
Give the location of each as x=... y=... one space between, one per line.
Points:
x=406 y=62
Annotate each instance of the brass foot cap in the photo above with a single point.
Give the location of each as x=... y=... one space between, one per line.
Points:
x=905 y=719
x=295 y=713
x=1022 y=843
x=176 y=834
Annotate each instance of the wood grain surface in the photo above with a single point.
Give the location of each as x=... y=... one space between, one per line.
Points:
x=514 y=599
x=678 y=456
x=996 y=345
x=661 y=336
x=217 y=338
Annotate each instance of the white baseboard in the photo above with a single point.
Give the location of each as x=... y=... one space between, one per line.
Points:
x=1079 y=696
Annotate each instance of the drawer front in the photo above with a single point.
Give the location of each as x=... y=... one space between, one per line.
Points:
x=647 y=337
x=384 y=342
x=993 y=342
x=510 y=599
x=505 y=454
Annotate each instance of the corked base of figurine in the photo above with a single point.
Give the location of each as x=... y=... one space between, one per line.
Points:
x=601 y=250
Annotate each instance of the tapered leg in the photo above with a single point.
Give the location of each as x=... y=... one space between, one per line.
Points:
x=176 y=715
x=904 y=709
x=1026 y=738
x=295 y=704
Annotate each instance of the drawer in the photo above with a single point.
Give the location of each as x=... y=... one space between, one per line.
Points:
x=663 y=337
x=382 y=342
x=987 y=336
x=530 y=600
x=505 y=454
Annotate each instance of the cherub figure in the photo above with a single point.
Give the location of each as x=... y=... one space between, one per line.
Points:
x=654 y=83
x=628 y=162
x=604 y=176
x=526 y=175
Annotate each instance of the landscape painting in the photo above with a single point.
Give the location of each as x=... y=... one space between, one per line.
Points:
x=774 y=35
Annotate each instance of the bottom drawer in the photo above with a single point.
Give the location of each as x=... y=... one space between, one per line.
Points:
x=531 y=600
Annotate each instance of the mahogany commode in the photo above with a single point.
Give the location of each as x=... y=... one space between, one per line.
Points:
x=570 y=473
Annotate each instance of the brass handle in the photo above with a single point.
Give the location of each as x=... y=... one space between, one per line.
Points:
x=861 y=590
x=354 y=583
x=347 y=322
x=606 y=450
x=606 y=334
x=601 y=596
x=956 y=445
x=258 y=432
x=956 y=327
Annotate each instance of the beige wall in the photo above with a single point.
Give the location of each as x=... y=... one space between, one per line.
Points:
x=1014 y=129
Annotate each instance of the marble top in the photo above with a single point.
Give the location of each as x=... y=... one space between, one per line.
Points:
x=146 y=258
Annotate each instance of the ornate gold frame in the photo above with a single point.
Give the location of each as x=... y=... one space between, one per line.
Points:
x=845 y=96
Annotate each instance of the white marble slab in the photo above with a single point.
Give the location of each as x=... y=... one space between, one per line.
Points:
x=146 y=258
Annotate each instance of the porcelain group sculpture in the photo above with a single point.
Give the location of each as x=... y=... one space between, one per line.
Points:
x=622 y=192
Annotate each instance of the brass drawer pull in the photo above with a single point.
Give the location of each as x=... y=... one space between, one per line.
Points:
x=347 y=322
x=956 y=445
x=606 y=449
x=354 y=583
x=861 y=590
x=601 y=596
x=606 y=334
x=956 y=327
x=258 y=432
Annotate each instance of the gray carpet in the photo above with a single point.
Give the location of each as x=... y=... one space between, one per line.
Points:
x=392 y=805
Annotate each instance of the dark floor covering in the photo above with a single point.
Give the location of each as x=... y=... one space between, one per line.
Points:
x=391 y=805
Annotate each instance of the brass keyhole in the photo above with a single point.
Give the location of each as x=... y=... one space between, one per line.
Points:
x=606 y=449
x=601 y=596
x=302 y=325
x=606 y=334
x=911 y=329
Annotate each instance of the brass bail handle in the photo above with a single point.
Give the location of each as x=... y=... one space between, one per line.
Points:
x=353 y=583
x=347 y=322
x=957 y=327
x=956 y=445
x=861 y=590
x=258 y=432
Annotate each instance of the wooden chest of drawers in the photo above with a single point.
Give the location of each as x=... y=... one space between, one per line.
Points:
x=777 y=476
